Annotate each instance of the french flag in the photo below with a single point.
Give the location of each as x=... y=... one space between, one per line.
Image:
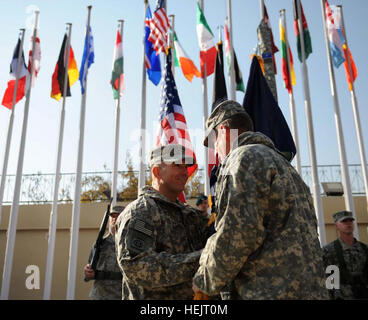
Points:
x=23 y=82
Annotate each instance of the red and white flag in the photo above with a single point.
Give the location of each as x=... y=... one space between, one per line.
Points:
x=36 y=59
x=23 y=82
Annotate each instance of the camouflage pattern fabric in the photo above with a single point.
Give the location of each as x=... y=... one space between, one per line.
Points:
x=355 y=259
x=266 y=244
x=265 y=47
x=106 y=289
x=158 y=247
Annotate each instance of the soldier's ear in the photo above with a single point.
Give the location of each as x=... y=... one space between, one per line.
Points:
x=156 y=171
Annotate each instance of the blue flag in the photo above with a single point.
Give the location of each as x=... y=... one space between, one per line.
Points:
x=89 y=55
x=266 y=115
x=151 y=60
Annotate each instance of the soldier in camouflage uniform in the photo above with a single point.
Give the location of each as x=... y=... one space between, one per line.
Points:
x=266 y=243
x=108 y=278
x=351 y=257
x=159 y=239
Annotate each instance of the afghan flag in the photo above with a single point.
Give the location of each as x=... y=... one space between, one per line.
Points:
x=57 y=85
x=288 y=73
x=181 y=59
x=23 y=79
x=206 y=44
x=307 y=37
x=117 y=76
x=238 y=75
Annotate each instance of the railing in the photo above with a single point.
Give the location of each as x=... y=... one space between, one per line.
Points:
x=38 y=188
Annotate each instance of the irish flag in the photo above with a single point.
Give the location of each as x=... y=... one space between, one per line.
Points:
x=181 y=59
x=117 y=76
x=206 y=44
x=288 y=73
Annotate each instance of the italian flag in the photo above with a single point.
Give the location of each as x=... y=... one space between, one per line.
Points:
x=288 y=73
x=206 y=44
x=117 y=76
x=181 y=59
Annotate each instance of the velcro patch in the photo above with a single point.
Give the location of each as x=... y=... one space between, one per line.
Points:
x=143 y=227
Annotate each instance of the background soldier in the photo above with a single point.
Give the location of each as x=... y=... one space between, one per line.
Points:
x=159 y=239
x=351 y=257
x=108 y=278
x=266 y=243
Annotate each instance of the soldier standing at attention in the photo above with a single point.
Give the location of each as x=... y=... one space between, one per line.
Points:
x=107 y=285
x=159 y=239
x=266 y=243
x=351 y=257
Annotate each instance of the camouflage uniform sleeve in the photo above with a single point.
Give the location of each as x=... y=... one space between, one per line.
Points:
x=140 y=260
x=239 y=225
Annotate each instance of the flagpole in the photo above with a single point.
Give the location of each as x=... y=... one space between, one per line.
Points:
x=261 y=2
x=349 y=203
x=232 y=62
x=354 y=104
x=8 y=261
x=18 y=178
x=10 y=127
x=142 y=151
x=117 y=132
x=291 y=98
x=205 y=116
x=78 y=188
x=53 y=215
x=312 y=149
x=172 y=23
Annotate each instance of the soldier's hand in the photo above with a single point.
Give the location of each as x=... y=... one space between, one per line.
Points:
x=89 y=272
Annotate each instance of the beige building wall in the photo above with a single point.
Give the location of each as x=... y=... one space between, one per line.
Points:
x=31 y=243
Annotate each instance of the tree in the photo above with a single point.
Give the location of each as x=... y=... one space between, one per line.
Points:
x=131 y=189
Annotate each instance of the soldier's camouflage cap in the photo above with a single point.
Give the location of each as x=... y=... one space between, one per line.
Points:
x=222 y=112
x=342 y=215
x=117 y=209
x=171 y=153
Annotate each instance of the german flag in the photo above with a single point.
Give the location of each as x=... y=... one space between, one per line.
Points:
x=57 y=84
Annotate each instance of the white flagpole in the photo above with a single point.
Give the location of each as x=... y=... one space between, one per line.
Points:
x=356 y=114
x=10 y=127
x=312 y=149
x=291 y=99
x=172 y=23
x=349 y=203
x=232 y=62
x=53 y=216
x=78 y=184
x=205 y=116
x=142 y=151
x=10 y=244
x=117 y=132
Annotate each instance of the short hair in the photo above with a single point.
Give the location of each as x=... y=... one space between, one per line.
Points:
x=241 y=122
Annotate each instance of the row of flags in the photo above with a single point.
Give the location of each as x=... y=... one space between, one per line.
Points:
x=157 y=41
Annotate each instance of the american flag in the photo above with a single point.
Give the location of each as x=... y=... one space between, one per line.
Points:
x=159 y=25
x=172 y=123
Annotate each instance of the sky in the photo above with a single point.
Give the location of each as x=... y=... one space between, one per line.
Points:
x=44 y=112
